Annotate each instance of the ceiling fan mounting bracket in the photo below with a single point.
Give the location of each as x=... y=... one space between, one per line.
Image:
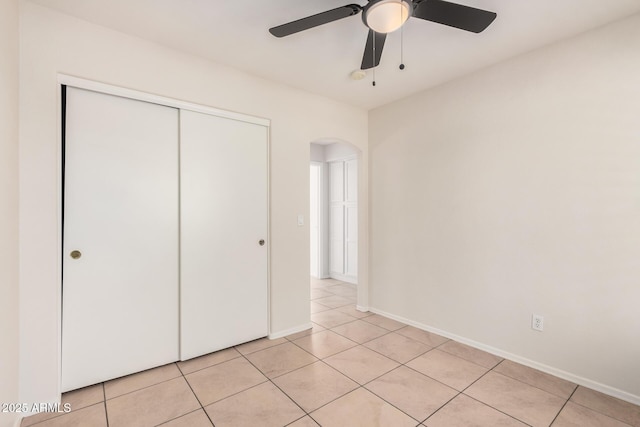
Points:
x=355 y=7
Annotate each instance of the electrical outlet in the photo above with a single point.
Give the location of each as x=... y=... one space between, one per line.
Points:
x=537 y=322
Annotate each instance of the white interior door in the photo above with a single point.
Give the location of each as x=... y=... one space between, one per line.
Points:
x=223 y=185
x=120 y=297
x=343 y=219
x=351 y=218
x=336 y=218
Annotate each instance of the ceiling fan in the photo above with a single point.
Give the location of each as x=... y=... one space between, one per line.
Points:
x=385 y=16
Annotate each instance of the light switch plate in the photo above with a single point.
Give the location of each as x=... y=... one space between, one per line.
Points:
x=300 y=220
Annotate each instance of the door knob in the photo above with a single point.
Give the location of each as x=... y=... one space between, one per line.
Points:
x=76 y=254
x=261 y=242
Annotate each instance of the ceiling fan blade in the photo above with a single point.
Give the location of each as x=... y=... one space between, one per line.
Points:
x=454 y=15
x=315 y=20
x=368 y=57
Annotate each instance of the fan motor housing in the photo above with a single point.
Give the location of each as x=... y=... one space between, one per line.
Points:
x=386 y=16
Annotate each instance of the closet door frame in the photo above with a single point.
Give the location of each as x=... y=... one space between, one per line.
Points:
x=80 y=83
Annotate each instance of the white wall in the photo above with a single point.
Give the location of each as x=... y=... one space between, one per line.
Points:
x=516 y=190
x=9 y=66
x=53 y=43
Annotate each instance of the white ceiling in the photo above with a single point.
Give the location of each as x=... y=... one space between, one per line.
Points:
x=319 y=60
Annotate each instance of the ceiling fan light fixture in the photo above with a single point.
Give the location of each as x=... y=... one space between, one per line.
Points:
x=386 y=16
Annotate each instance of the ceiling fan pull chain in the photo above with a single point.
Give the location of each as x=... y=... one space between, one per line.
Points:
x=402 y=47
x=374 y=59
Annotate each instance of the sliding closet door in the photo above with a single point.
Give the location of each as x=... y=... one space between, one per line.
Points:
x=120 y=265
x=223 y=267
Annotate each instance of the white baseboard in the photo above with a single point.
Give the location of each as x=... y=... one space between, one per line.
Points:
x=362 y=308
x=295 y=330
x=342 y=278
x=576 y=379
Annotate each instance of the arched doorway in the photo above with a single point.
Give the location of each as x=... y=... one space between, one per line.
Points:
x=333 y=225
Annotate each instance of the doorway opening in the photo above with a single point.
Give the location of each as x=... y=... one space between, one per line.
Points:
x=333 y=225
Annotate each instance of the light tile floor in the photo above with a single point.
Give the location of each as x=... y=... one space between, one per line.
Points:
x=350 y=369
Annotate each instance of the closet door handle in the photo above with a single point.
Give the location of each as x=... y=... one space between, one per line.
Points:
x=75 y=254
x=261 y=242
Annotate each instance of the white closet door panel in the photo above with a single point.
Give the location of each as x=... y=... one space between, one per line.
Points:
x=223 y=218
x=120 y=298
x=336 y=239
x=351 y=180
x=336 y=181
x=351 y=244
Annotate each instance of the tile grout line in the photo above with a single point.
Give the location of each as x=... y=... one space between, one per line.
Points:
x=413 y=358
x=387 y=332
x=565 y=404
x=443 y=405
x=282 y=391
x=104 y=397
x=195 y=395
x=463 y=390
x=597 y=411
x=496 y=409
x=297 y=419
x=320 y=358
x=484 y=403
x=326 y=364
x=61 y=414
x=209 y=366
x=386 y=401
x=362 y=386
x=531 y=385
x=256 y=351
x=267 y=379
x=248 y=388
x=302 y=367
x=145 y=387
x=515 y=379
x=420 y=373
x=178 y=417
